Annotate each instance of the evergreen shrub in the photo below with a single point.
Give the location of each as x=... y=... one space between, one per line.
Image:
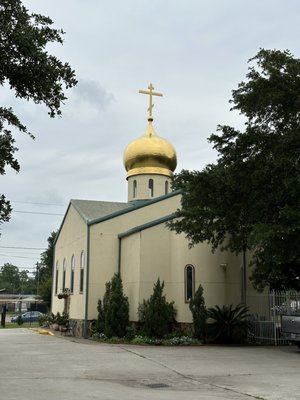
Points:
x=199 y=312
x=113 y=311
x=156 y=315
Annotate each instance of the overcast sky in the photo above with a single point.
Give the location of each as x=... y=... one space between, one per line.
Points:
x=193 y=51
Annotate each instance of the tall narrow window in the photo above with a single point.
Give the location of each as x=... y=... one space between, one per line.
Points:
x=151 y=188
x=189 y=282
x=56 y=277
x=81 y=272
x=166 y=187
x=64 y=275
x=134 y=189
x=72 y=273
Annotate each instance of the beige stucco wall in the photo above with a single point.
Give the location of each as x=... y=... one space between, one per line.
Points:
x=142 y=188
x=164 y=254
x=104 y=244
x=145 y=255
x=71 y=240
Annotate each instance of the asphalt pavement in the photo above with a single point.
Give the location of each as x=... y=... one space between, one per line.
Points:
x=35 y=366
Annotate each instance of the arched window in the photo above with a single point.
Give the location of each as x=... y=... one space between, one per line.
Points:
x=134 y=189
x=189 y=282
x=56 y=277
x=166 y=187
x=151 y=188
x=64 y=275
x=81 y=279
x=72 y=273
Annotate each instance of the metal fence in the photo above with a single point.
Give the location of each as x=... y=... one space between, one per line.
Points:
x=266 y=310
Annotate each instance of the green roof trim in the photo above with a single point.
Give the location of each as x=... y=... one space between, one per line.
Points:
x=128 y=207
x=135 y=206
x=148 y=225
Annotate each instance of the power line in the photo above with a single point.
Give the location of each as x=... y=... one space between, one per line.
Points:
x=24 y=253
x=29 y=268
x=23 y=248
x=35 y=212
x=12 y=256
x=38 y=204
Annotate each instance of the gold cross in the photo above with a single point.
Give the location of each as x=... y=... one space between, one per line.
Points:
x=151 y=93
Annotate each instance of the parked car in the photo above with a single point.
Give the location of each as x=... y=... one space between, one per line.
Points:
x=290 y=327
x=29 y=316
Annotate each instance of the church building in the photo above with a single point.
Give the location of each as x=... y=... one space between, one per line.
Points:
x=99 y=238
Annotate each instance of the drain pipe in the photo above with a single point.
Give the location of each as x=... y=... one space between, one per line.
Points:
x=119 y=255
x=87 y=278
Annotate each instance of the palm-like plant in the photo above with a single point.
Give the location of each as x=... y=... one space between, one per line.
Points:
x=229 y=324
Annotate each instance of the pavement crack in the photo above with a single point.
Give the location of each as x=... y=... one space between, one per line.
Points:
x=193 y=379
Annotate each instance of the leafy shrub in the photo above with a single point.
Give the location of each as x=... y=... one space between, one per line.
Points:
x=113 y=311
x=156 y=315
x=100 y=336
x=141 y=339
x=130 y=332
x=229 y=324
x=181 y=340
x=20 y=320
x=100 y=322
x=44 y=320
x=199 y=312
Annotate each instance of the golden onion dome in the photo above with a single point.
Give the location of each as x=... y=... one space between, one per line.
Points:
x=150 y=154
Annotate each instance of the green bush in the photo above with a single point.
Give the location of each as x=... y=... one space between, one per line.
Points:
x=20 y=320
x=156 y=315
x=100 y=322
x=199 y=312
x=141 y=339
x=229 y=324
x=113 y=311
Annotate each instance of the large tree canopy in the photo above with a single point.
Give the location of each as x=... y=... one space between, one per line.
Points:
x=250 y=198
x=30 y=71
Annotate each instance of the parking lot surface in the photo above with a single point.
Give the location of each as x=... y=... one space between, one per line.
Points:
x=41 y=367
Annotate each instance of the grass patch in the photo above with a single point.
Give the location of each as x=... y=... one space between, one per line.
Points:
x=11 y=325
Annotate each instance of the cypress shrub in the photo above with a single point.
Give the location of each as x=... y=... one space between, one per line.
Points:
x=156 y=315
x=113 y=316
x=199 y=312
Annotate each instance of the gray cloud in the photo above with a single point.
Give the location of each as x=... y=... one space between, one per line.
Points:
x=92 y=93
x=195 y=52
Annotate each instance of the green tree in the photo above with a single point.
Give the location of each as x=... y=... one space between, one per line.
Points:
x=115 y=309
x=16 y=281
x=249 y=199
x=44 y=271
x=156 y=315
x=31 y=72
x=199 y=312
x=10 y=278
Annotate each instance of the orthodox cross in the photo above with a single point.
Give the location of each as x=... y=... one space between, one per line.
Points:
x=151 y=93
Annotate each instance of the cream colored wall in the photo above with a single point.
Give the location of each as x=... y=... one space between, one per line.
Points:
x=146 y=255
x=104 y=244
x=71 y=240
x=142 y=186
x=130 y=272
x=164 y=254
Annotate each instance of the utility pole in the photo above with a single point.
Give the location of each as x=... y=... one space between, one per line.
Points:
x=37 y=277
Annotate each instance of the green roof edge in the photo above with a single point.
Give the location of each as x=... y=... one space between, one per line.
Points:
x=146 y=226
x=141 y=204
